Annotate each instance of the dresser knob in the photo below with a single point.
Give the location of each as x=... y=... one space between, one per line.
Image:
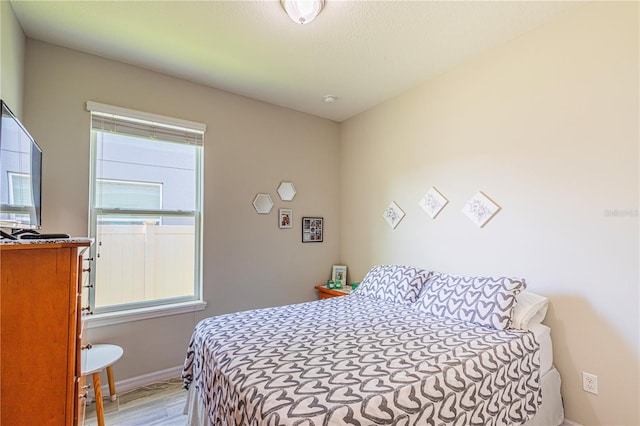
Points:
x=88 y=309
x=87 y=346
x=86 y=269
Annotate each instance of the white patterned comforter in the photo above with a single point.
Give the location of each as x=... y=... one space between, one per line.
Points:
x=360 y=361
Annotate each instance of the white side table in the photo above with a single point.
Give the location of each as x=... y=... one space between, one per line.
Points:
x=94 y=360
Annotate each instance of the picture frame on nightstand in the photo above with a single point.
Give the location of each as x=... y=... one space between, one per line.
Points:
x=339 y=273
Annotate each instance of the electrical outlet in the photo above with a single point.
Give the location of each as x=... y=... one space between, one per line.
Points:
x=590 y=383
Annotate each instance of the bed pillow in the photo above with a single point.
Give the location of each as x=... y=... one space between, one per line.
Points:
x=393 y=283
x=487 y=301
x=531 y=308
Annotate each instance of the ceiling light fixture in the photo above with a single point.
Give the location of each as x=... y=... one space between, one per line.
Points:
x=330 y=99
x=302 y=11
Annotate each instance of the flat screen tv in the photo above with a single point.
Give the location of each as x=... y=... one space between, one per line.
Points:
x=20 y=175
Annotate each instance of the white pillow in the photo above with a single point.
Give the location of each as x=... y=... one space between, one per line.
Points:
x=530 y=309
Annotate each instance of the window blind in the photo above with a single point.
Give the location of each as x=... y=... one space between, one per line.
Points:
x=128 y=195
x=109 y=118
x=20 y=189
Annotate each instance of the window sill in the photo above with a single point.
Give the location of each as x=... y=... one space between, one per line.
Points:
x=112 y=318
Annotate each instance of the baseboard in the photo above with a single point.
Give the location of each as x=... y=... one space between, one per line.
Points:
x=568 y=422
x=139 y=381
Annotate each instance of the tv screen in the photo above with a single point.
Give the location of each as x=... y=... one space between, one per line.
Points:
x=20 y=175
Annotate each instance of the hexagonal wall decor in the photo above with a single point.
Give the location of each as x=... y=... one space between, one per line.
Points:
x=263 y=203
x=286 y=191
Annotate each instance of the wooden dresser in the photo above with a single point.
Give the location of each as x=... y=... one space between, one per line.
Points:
x=41 y=326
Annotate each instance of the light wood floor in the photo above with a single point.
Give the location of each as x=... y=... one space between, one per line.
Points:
x=160 y=404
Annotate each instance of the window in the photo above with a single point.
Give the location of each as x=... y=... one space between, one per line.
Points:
x=146 y=209
x=132 y=195
x=20 y=184
x=20 y=195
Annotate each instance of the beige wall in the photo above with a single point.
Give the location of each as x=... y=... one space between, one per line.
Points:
x=548 y=127
x=12 y=45
x=250 y=147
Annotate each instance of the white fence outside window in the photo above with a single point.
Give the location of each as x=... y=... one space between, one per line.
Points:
x=145 y=262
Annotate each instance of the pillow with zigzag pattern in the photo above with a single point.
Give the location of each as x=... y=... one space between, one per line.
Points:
x=487 y=301
x=393 y=283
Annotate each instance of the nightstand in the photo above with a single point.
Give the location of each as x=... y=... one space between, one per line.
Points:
x=326 y=293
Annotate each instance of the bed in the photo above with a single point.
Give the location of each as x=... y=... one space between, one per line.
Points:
x=409 y=347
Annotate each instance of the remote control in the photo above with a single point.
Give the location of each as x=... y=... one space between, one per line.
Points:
x=43 y=236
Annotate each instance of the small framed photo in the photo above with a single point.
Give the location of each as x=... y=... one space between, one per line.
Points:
x=285 y=218
x=312 y=229
x=339 y=273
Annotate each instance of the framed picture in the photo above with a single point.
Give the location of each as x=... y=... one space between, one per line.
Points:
x=433 y=202
x=285 y=218
x=393 y=215
x=312 y=229
x=480 y=209
x=339 y=273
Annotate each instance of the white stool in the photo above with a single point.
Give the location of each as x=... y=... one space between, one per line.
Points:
x=96 y=359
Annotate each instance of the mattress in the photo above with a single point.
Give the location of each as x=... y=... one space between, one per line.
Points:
x=356 y=360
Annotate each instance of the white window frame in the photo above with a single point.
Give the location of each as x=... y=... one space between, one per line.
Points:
x=150 y=309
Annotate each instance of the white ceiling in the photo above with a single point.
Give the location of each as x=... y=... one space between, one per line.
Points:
x=363 y=52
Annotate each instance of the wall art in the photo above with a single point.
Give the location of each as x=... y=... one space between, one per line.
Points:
x=263 y=203
x=285 y=218
x=433 y=202
x=480 y=209
x=286 y=191
x=393 y=215
x=312 y=228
